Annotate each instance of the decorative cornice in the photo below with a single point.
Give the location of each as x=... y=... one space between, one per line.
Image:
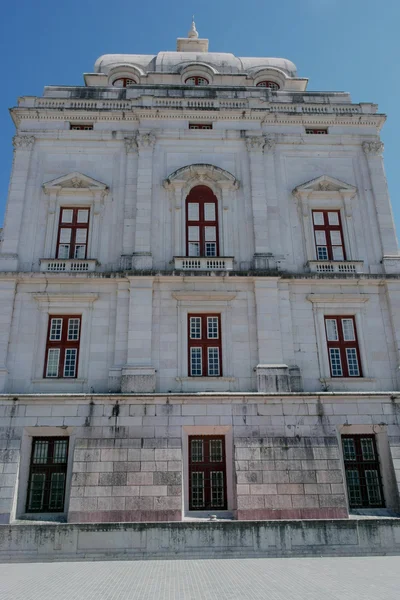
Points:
x=337 y=298
x=204 y=296
x=373 y=147
x=146 y=141
x=23 y=142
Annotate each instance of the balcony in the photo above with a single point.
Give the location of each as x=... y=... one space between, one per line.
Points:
x=203 y=263
x=343 y=267
x=72 y=265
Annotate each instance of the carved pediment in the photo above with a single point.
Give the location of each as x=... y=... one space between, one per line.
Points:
x=73 y=182
x=203 y=173
x=325 y=184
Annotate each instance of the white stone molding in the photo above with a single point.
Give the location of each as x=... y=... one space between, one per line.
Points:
x=204 y=296
x=327 y=193
x=23 y=142
x=376 y=148
x=75 y=189
x=347 y=305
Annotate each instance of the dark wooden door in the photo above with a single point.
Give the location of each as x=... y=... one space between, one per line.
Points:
x=207 y=473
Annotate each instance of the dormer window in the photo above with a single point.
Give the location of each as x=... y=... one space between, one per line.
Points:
x=196 y=81
x=123 y=82
x=271 y=85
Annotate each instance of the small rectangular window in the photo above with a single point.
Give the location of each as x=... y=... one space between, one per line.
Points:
x=328 y=235
x=319 y=131
x=204 y=345
x=73 y=231
x=62 y=348
x=47 y=475
x=200 y=126
x=80 y=127
x=344 y=354
x=363 y=477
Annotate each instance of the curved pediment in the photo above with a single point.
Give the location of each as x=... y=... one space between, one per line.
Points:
x=72 y=182
x=201 y=173
x=325 y=183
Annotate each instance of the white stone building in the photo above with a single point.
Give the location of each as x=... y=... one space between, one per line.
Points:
x=199 y=267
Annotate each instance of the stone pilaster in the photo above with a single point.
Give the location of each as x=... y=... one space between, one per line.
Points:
x=255 y=146
x=273 y=221
x=7 y=299
x=142 y=259
x=128 y=236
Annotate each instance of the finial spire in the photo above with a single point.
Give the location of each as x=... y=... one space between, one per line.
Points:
x=193 y=31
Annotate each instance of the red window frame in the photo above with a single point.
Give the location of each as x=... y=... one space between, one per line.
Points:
x=202 y=195
x=125 y=81
x=80 y=127
x=362 y=468
x=74 y=225
x=316 y=131
x=49 y=461
x=200 y=126
x=327 y=228
x=198 y=80
x=204 y=343
x=271 y=85
x=63 y=344
x=340 y=347
x=205 y=490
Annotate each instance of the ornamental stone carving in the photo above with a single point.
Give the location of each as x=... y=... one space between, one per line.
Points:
x=23 y=142
x=269 y=144
x=145 y=141
x=254 y=144
x=131 y=145
x=373 y=147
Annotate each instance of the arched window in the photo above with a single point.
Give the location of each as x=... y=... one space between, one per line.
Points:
x=196 y=81
x=202 y=222
x=271 y=85
x=124 y=82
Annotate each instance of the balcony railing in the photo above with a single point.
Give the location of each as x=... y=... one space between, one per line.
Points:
x=336 y=266
x=204 y=263
x=72 y=265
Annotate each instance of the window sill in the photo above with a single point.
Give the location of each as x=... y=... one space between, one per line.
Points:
x=348 y=379
x=191 y=379
x=61 y=379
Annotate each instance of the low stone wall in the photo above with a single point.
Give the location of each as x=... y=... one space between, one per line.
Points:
x=50 y=542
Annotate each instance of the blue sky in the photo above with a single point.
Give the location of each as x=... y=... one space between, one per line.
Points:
x=341 y=45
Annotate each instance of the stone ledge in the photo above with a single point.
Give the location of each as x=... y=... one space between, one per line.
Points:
x=245 y=539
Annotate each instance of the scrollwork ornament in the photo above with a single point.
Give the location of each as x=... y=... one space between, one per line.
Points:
x=146 y=141
x=373 y=147
x=254 y=144
x=23 y=142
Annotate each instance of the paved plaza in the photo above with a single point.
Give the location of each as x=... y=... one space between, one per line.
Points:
x=367 y=578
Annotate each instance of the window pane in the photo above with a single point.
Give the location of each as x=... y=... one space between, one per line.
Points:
x=348 y=330
x=83 y=215
x=193 y=234
x=55 y=330
x=367 y=449
x=80 y=251
x=56 y=498
x=70 y=362
x=210 y=234
x=318 y=218
x=36 y=492
x=60 y=451
x=81 y=235
x=53 y=358
x=197 y=489
x=215 y=450
x=322 y=253
x=194 y=249
x=217 y=489
x=352 y=362
x=349 y=449
x=336 y=363
x=212 y=328
x=197 y=451
x=65 y=235
x=331 y=330
x=211 y=249
x=320 y=238
x=353 y=487
x=336 y=238
x=337 y=253
x=73 y=329
x=195 y=328
x=195 y=362
x=63 y=251
x=333 y=218
x=213 y=362
x=40 y=452
x=209 y=211
x=193 y=211
x=67 y=215
x=373 y=490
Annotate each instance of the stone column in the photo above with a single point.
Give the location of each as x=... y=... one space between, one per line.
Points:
x=227 y=225
x=142 y=259
x=128 y=236
x=255 y=147
x=23 y=146
x=49 y=245
x=273 y=221
x=393 y=296
x=138 y=375
x=373 y=155
x=7 y=299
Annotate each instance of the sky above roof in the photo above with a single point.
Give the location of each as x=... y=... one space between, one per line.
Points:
x=340 y=45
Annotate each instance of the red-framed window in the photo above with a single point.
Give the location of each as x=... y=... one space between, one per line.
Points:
x=196 y=80
x=73 y=232
x=202 y=222
x=80 y=127
x=200 y=126
x=207 y=473
x=317 y=131
x=271 y=85
x=363 y=476
x=62 y=347
x=204 y=345
x=343 y=350
x=328 y=235
x=47 y=475
x=123 y=82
